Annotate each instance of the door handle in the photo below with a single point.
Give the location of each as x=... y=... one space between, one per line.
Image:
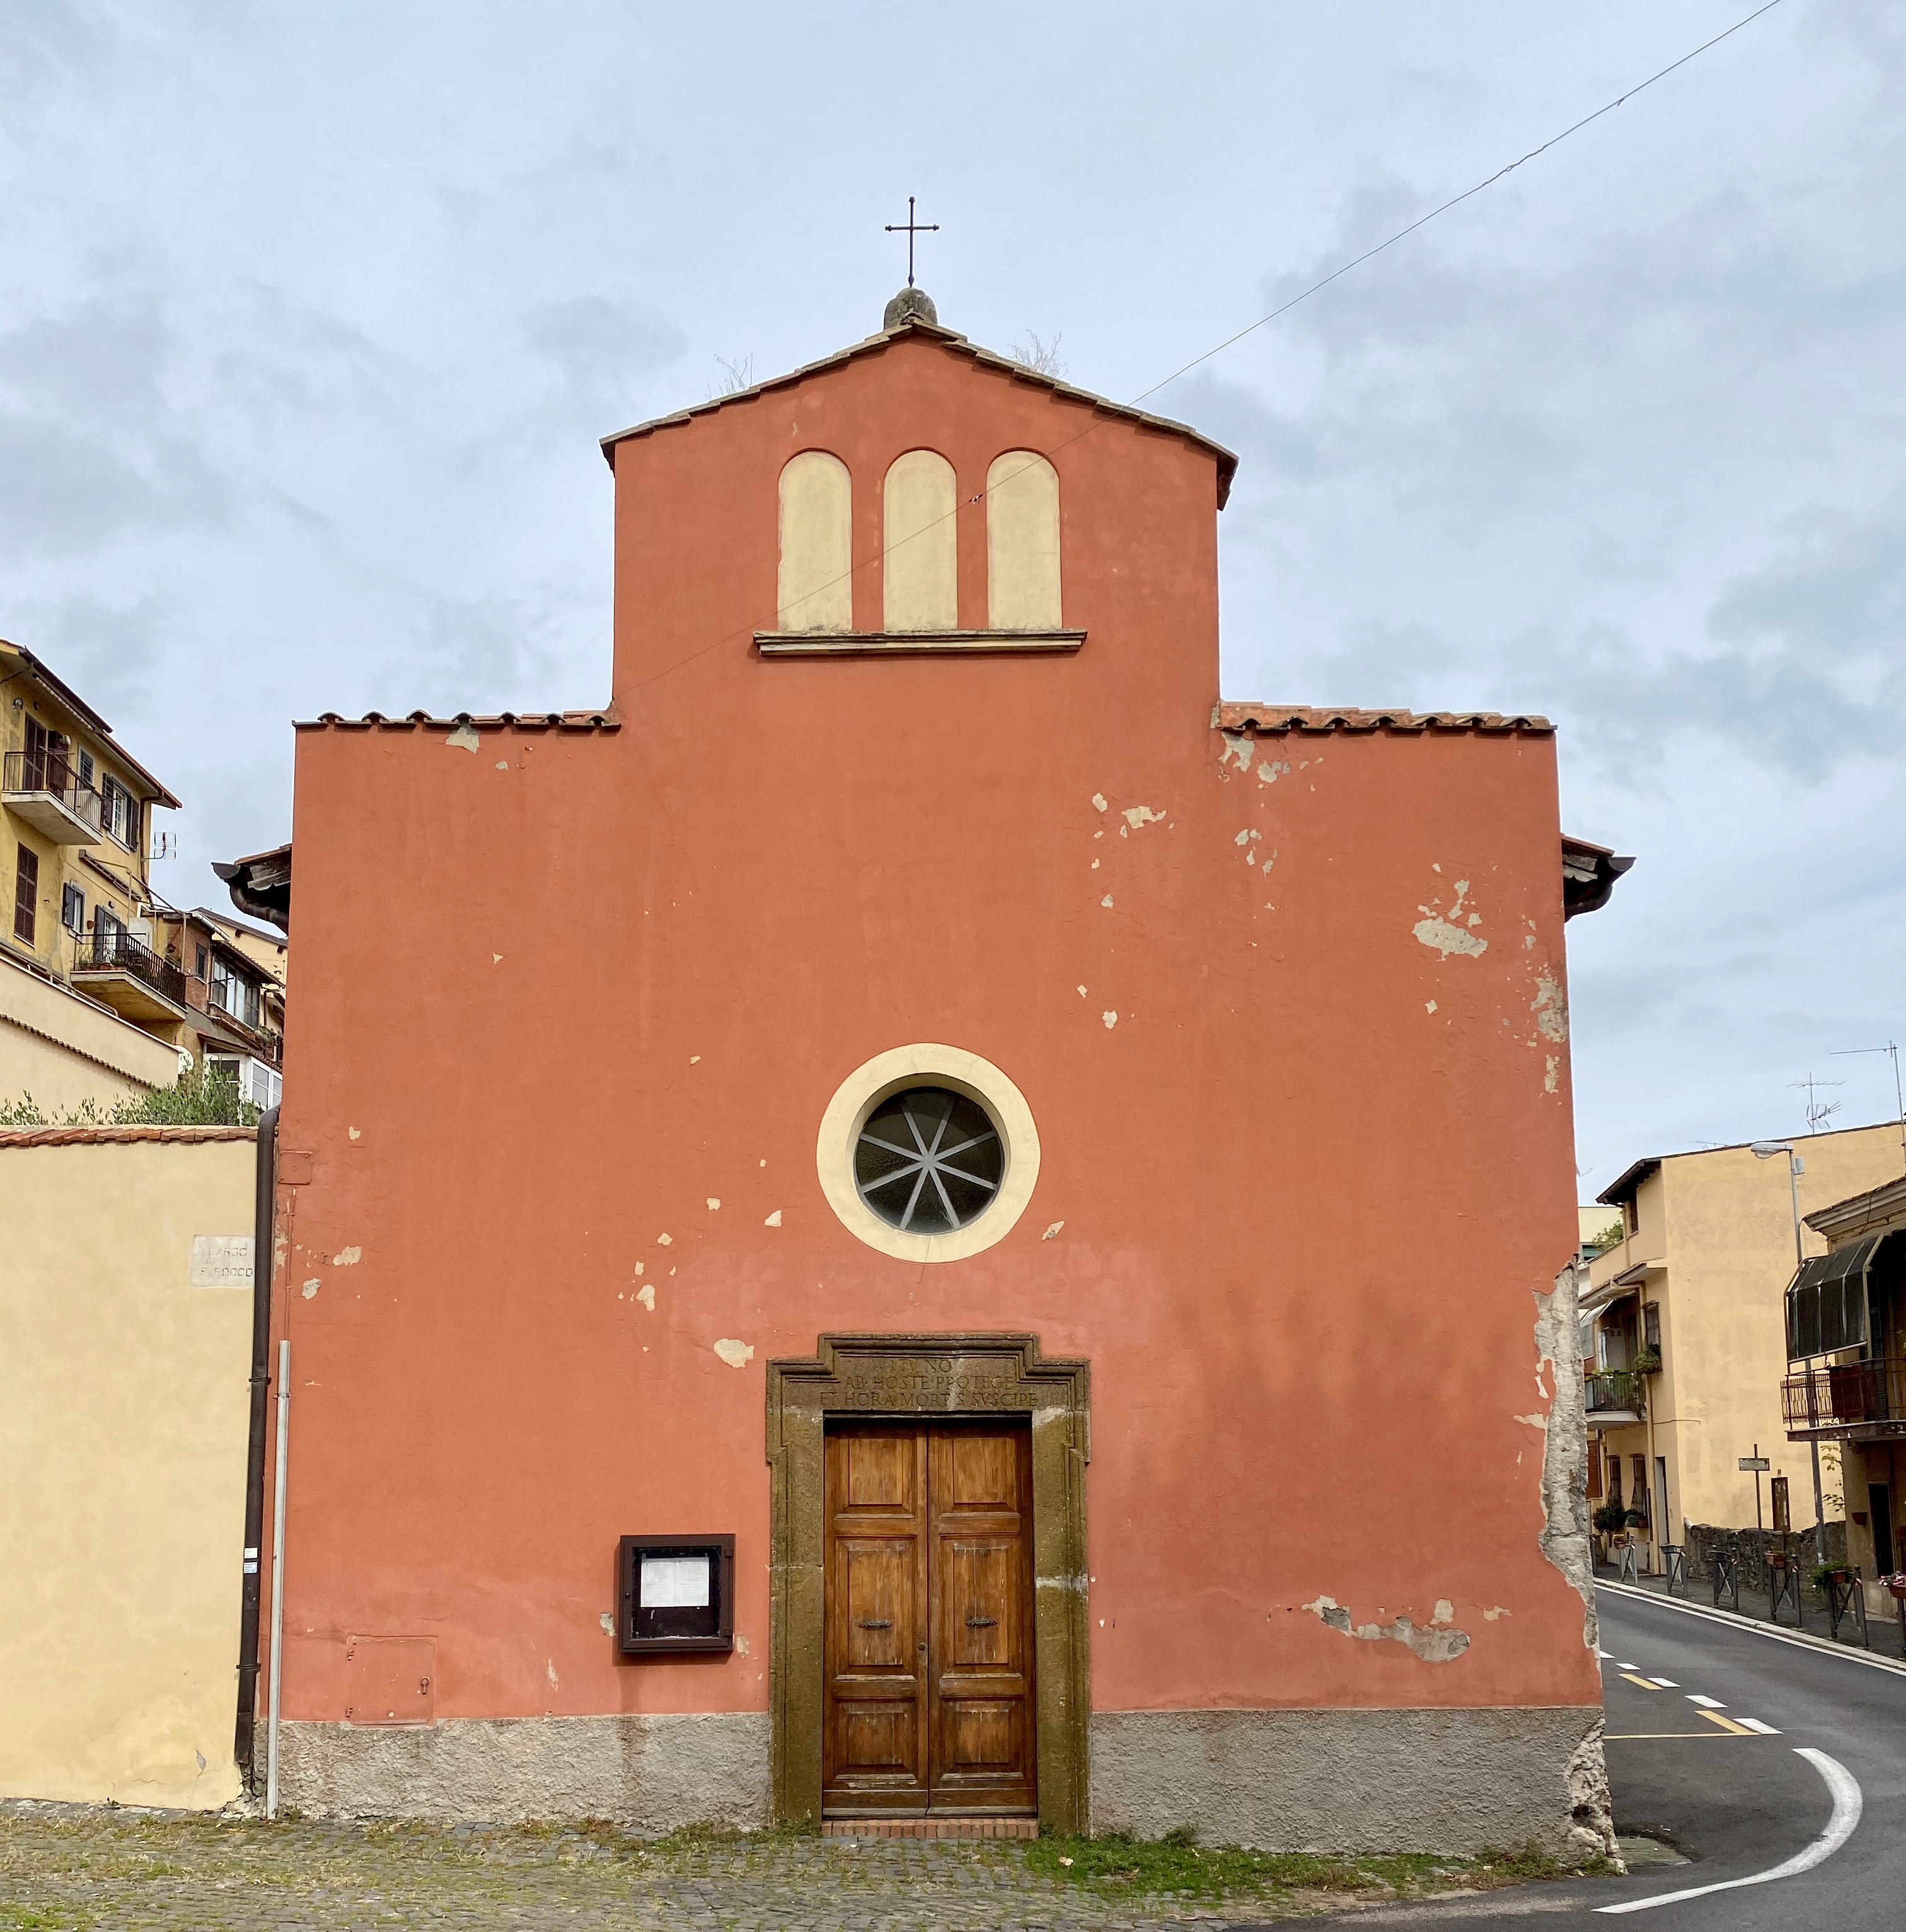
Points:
x=981 y=1623
x=876 y=1623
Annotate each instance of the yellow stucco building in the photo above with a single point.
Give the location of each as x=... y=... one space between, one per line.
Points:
x=1684 y=1329
x=105 y=990
x=124 y=1408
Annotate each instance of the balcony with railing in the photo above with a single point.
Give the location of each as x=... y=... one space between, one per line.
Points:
x=1853 y=1401
x=126 y=974
x=45 y=790
x=1616 y=1395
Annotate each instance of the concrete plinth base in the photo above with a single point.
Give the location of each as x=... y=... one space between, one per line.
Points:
x=650 y=1774
x=1364 y=1780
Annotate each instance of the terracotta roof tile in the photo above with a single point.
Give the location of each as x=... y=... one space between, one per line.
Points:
x=493 y=721
x=38 y=1137
x=1227 y=461
x=1274 y=719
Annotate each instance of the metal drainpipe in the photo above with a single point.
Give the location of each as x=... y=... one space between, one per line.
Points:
x=263 y=1227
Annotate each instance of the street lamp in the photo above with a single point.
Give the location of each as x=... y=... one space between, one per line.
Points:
x=1796 y=1167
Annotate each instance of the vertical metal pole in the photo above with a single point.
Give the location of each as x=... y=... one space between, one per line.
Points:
x=278 y=1583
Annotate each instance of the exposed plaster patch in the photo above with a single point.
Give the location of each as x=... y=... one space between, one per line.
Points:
x=1435 y=1644
x=1138 y=816
x=549 y=1665
x=645 y=1294
x=714 y=1203
x=638 y=1270
x=736 y=1354
x=607 y=1621
x=1489 y=1615
x=1098 y=801
x=1429 y=1006
x=1534 y=1421
x=1236 y=746
x=1052 y=1231
x=1551 y=1067
x=1591 y=1821
x=695 y=1059
x=1106 y=901
x=356 y=1134
x=503 y=764
x=347 y=1257
x=774 y=1219
x=1444 y=1611
x=1550 y=1007
x=1082 y=992
x=1564 y=1537
x=663 y=1241
x=464 y=738
x=1268 y=773
x=1444 y=934
x=311 y=1288
x=1110 y=1018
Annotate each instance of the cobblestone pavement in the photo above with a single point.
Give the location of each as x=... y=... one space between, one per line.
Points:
x=71 y=1868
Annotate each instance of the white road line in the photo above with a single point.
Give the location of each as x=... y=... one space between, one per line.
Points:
x=1847 y=1804
x=1706 y=1703
x=1754 y=1724
x=1819 y=1646
x=1664 y=1684
x=1604 y=1653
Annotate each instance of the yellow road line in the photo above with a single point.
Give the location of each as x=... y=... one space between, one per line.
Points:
x=1727 y=1724
x=1642 y=1681
x=1630 y=1737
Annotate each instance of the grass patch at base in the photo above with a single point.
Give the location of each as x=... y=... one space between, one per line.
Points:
x=1115 y=1862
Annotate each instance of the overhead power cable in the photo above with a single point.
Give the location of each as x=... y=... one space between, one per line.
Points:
x=1283 y=308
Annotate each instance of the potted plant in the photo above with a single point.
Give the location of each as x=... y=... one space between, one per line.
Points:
x=1896 y=1585
x=1648 y=1362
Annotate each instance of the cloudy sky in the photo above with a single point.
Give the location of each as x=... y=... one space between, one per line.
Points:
x=311 y=316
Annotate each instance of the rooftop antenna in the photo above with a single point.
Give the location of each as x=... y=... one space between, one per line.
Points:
x=1817 y=1109
x=909 y=229
x=1891 y=1048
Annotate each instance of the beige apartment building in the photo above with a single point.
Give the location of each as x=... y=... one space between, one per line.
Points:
x=1684 y=1329
x=105 y=990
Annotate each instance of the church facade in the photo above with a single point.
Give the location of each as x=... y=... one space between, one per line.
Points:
x=884 y=1241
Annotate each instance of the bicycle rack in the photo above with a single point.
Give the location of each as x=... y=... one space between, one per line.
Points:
x=1783 y=1586
x=1631 y=1569
x=1674 y=1560
x=1726 y=1578
x=1846 y=1596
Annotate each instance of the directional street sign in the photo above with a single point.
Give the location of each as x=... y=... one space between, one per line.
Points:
x=1755 y=1462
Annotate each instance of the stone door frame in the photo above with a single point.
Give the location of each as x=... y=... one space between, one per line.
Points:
x=930 y=1376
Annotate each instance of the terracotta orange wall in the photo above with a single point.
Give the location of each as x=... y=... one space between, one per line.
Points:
x=613 y=976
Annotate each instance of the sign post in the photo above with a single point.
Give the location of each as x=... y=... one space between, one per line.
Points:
x=1758 y=1463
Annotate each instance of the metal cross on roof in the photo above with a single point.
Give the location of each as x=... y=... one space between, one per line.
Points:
x=910 y=228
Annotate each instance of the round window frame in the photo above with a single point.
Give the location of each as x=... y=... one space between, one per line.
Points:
x=927 y=1064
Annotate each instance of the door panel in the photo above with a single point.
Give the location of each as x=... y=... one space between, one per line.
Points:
x=929 y=1672
x=874 y=1741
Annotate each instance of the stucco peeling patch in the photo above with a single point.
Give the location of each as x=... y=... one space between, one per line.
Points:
x=311 y=1288
x=1236 y=746
x=1098 y=801
x=1052 y=1231
x=1439 y=1641
x=347 y=1257
x=1550 y=1007
x=645 y=1294
x=1138 y=816
x=464 y=738
x=1564 y=1537
x=736 y=1354
x=1444 y=933
x=773 y=1220
x=1551 y=1072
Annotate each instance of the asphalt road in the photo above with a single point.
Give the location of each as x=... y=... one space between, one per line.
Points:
x=1732 y=1800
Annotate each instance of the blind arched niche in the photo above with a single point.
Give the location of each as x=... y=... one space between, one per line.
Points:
x=919 y=565
x=814 y=588
x=1022 y=542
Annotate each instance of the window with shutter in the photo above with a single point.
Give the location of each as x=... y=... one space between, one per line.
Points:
x=26 y=894
x=73 y=909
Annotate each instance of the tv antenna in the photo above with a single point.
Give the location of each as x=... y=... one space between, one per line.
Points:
x=1891 y=1049
x=1817 y=1109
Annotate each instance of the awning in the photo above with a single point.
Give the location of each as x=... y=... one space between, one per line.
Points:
x=1826 y=1300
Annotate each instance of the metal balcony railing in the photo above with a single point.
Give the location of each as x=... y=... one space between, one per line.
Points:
x=116 y=950
x=1616 y=1389
x=1844 y=1395
x=50 y=774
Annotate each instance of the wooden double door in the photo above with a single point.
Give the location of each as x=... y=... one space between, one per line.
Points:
x=929 y=1581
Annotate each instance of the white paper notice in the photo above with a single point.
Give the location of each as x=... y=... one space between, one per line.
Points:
x=674 y=1582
